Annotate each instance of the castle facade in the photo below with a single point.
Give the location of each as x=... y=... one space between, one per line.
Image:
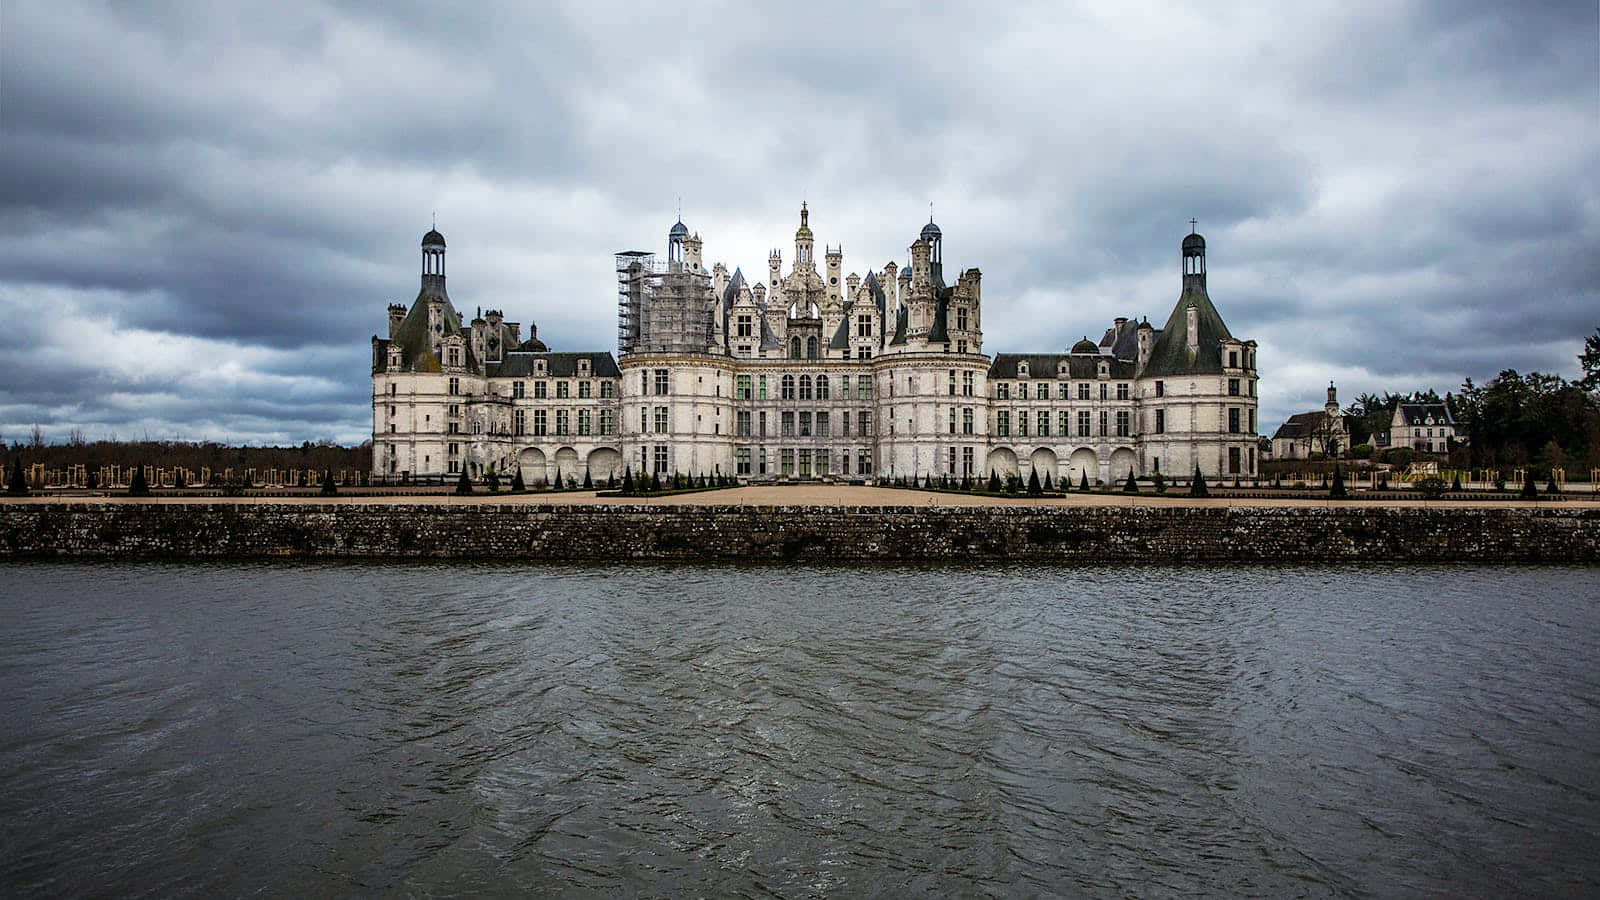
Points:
x=806 y=374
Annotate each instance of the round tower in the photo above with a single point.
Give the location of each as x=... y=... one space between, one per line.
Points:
x=802 y=241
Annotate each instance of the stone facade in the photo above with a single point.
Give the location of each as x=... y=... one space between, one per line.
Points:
x=810 y=373
x=607 y=533
x=1303 y=434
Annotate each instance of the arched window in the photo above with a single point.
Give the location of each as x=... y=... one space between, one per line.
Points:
x=788 y=386
x=811 y=348
x=822 y=387
x=805 y=387
x=794 y=348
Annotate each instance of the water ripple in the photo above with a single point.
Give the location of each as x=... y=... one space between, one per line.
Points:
x=1007 y=731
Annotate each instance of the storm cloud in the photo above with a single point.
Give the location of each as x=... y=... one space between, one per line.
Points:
x=208 y=206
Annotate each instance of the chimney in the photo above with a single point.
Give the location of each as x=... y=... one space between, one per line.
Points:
x=397 y=314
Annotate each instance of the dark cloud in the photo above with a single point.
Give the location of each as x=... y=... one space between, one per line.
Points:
x=208 y=207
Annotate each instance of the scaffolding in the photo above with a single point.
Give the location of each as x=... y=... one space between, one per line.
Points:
x=663 y=307
x=634 y=271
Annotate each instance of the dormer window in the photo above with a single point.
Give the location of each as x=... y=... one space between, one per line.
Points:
x=1062 y=369
x=1022 y=369
x=1105 y=371
x=540 y=367
x=583 y=368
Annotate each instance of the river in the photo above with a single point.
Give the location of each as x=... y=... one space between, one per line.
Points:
x=521 y=729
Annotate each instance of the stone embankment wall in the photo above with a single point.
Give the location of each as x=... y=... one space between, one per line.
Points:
x=611 y=532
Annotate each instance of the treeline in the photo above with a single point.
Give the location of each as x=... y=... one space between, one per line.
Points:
x=1515 y=420
x=319 y=456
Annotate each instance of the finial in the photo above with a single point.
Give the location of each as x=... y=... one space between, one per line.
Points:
x=680 y=209
x=435 y=220
x=930 y=212
x=1191 y=226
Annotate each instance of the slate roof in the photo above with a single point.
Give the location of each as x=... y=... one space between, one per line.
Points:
x=558 y=365
x=1048 y=365
x=899 y=327
x=1125 y=345
x=1299 y=425
x=1415 y=414
x=416 y=345
x=1170 y=355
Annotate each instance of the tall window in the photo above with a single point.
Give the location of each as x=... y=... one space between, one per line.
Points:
x=952 y=382
x=786 y=455
x=608 y=421
x=1022 y=422
x=455 y=386
x=661 y=381
x=745 y=326
x=1002 y=423
x=541 y=390
x=1044 y=423
x=823 y=425
x=585 y=421
x=864 y=461
x=741 y=388
x=961 y=318
x=952 y=469
x=741 y=459
x=966 y=460
x=763 y=421
x=1083 y=390
x=863 y=326
x=1002 y=391
x=661 y=420
x=519 y=421
x=516 y=390
x=822 y=387
x=1161 y=421
x=1083 y=423
x=1233 y=420
x=741 y=424
x=563 y=421
x=786 y=422
x=864 y=423
x=585 y=390
x=805 y=387
x=1063 y=423
x=952 y=420
x=863 y=387
x=1103 y=419
x=661 y=459
x=966 y=420
x=1253 y=424
x=561 y=390
x=805 y=424
x=966 y=384
x=787 y=385
x=540 y=422
x=1122 y=423
x=1104 y=395
x=762 y=385
x=1161 y=389
x=1122 y=390
x=1233 y=387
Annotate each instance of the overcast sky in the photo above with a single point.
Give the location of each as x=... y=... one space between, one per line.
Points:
x=208 y=210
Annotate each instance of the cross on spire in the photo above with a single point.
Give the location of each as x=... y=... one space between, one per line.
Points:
x=1191 y=226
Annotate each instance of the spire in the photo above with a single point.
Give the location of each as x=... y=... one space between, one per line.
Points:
x=433 y=260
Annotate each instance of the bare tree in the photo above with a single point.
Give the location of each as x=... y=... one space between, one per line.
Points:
x=36 y=440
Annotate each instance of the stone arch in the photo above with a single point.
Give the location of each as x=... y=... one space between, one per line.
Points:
x=567 y=465
x=1123 y=461
x=1044 y=462
x=604 y=463
x=1002 y=461
x=1083 y=460
x=532 y=463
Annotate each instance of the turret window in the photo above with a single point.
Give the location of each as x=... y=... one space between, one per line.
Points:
x=1161 y=421
x=455 y=386
x=1233 y=387
x=1161 y=389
